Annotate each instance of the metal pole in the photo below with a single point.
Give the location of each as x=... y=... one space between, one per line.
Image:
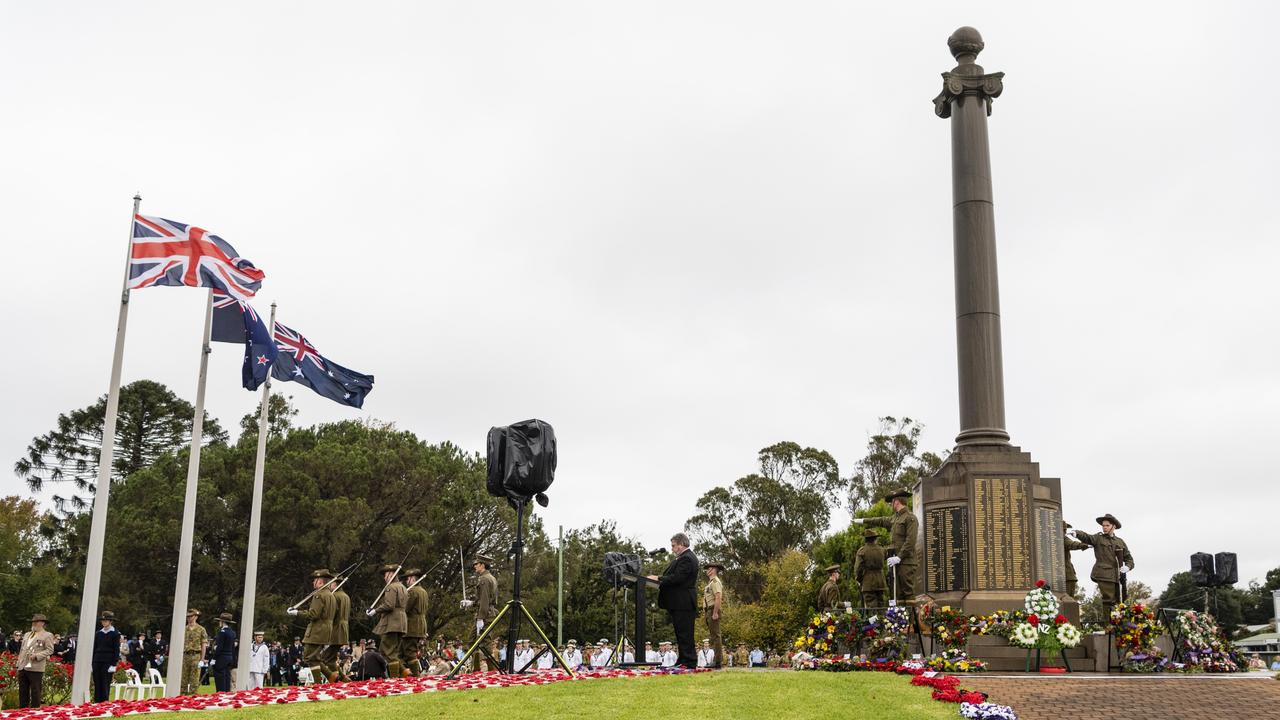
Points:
x=560 y=591
x=1275 y=607
x=255 y=527
x=98 y=526
x=182 y=588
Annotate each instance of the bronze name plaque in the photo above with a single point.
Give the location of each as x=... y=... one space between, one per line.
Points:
x=1050 y=565
x=1002 y=534
x=946 y=542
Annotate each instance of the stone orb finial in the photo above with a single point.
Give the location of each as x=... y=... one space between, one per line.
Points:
x=965 y=41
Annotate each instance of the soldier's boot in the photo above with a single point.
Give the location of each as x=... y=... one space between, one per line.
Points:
x=416 y=666
x=333 y=676
x=394 y=669
x=317 y=673
x=407 y=671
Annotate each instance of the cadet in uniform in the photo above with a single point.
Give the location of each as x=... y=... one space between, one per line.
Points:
x=1111 y=560
x=486 y=604
x=903 y=529
x=713 y=604
x=194 y=643
x=224 y=653
x=392 y=621
x=341 y=629
x=415 y=609
x=319 y=616
x=1068 y=545
x=829 y=595
x=868 y=570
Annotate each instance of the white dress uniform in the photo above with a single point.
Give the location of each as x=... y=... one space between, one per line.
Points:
x=573 y=657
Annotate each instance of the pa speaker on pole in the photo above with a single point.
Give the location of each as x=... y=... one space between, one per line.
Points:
x=1202 y=569
x=1224 y=569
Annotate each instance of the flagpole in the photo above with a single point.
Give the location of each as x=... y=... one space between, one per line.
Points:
x=181 y=588
x=255 y=527
x=98 y=527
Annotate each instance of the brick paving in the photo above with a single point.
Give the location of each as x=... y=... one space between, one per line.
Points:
x=1156 y=697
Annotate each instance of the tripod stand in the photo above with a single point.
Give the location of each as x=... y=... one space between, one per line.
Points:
x=516 y=608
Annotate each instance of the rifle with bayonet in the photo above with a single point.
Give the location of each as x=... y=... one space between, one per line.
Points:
x=394 y=576
x=344 y=575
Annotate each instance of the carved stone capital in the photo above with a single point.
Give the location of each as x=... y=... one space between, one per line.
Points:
x=987 y=87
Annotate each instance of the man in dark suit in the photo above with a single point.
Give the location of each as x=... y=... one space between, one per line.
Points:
x=224 y=653
x=106 y=654
x=678 y=595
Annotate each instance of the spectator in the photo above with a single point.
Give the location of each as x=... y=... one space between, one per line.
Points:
x=372 y=663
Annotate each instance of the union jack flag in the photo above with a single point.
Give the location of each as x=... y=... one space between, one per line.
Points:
x=166 y=252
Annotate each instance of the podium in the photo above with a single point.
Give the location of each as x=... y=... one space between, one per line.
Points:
x=638 y=583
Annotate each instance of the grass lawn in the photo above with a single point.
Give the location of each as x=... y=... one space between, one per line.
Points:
x=705 y=696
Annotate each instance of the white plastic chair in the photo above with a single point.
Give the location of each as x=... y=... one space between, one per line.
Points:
x=154 y=684
x=132 y=686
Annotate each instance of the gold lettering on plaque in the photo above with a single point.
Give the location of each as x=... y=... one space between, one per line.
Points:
x=1002 y=534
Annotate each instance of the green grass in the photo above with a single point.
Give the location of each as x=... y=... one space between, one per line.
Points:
x=726 y=694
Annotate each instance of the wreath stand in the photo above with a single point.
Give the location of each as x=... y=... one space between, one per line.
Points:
x=1062 y=652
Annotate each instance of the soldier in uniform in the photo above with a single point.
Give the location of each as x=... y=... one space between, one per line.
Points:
x=1111 y=560
x=319 y=616
x=485 y=603
x=1068 y=545
x=341 y=629
x=392 y=621
x=713 y=605
x=903 y=531
x=34 y=650
x=415 y=610
x=868 y=570
x=829 y=595
x=195 y=641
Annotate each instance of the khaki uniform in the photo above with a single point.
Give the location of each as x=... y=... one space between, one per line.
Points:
x=36 y=649
x=1106 y=571
x=415 y=611
x=714 y=585
x=392 y=622
x=903 y=531
x=341 y=630
x=868 y=572
x=1069 y=545
x=829 y=596
x=194 y=641
x=319 y=616
x=486 y=609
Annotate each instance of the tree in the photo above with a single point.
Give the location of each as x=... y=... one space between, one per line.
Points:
x=280 y=415
x=841 y=548
x=26 y=587
x=891 y=462
x=151 y=422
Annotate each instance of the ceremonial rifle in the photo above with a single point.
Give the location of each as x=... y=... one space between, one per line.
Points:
x=424 y=575
x=352 y=566
x=395 y=575
x=462 y=570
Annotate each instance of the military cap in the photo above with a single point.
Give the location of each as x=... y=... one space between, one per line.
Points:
x=193 y=611
x=481 y=559
x=414 y=572
x=717 y=565
x=227 y=618
x=322 y=573
x=1110 y=518
x=833 y=568
x=869 y=534
x=899 y=493
x=389 y=567
x=107 y=615
x=572 y=641
x=39 y=618
x=604 y=640
x=258 y=632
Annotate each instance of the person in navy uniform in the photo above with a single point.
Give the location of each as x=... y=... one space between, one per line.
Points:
x=224 y=653
x=678 y=595
x=106 y=654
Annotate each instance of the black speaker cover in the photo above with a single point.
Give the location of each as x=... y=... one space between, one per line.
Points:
x=616 y=563
x=522 y=459
x=1202 y=569
x=1224 y=569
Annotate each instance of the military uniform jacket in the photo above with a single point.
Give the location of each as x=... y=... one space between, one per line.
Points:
x=1068 y=545
x=714 y=585
x=106 y=646
x=903 y=529
x=390 y=610
x=868 y=568
x=194 y=639
x=36 y=649
x=341 y=618
x=319 y=617
x=415 y=610
x=486 y=596
x=225 y=646
x=1105 y=548
x=829 y=595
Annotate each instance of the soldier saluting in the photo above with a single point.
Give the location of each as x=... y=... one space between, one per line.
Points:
x=319 y=616
x=1111 y=560
x=903 y=529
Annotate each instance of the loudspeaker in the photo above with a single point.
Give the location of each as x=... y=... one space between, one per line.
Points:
x=1202 y=569
x=522 y=460
x=616 y=563
x=1224 y=573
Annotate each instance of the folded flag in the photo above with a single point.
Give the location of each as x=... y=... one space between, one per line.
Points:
x=300 y=362
x=237 y=322
x=165 y=252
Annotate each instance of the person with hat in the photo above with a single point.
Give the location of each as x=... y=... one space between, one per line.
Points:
x=224 y=653
x=712 y=604
x=259 y=661
x=572 y=655
x=604 y=653
x=829 y=595
x=106 y=654
x=868 y=570
x=341 y=629
x=195 y=641
x=35 y=647
x=319 y=616
x=485 y=604
x=1070 y=544
x=415 y=610
x=904 y=530
x=666 y=655
x=651 y=656
x=392 y=621
x=1111 y=560
x=706 y=656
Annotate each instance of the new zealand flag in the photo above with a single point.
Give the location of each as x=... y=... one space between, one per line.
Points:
x=237 y=322
x=300 y=362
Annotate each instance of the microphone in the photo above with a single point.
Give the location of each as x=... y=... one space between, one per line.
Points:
x=657 y=553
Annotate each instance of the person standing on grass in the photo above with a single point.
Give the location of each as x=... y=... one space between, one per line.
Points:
x=678 y=595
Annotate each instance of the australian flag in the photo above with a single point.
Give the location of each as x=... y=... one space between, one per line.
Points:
x=300 y=362
x=237 y=322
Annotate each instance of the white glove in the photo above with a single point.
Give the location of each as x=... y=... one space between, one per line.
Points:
x=370 y=612
x=479 y=625
x=111 y=669
x=893 y=561
x=1124 y=569
x=859 y=521
x=467 y=603
x=291 y=611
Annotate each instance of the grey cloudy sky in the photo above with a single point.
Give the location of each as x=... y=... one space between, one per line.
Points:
x=679 y=232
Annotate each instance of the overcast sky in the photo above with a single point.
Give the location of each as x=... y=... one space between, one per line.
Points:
x=679 y=232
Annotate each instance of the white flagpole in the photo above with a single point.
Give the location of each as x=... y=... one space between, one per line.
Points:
x=98 y=527
x=255 y=526
x=181 y=589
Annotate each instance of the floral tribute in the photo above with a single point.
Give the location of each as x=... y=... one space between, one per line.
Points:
x=315 y=693
x=946 y=688
x=1203 y=644
x=1133 y=627
x=948 y=626
x=1043 y=627
x=821 y=635
x=986 y=711
x=954 y=660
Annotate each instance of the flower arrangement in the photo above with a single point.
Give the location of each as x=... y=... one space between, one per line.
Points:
x=954 y=660
x=947 y=689
x=820 y=637
x=1043 y=627
x=1068 y=635
x=987 y=711
x=1203 y=644
x=1041 y=601
x=948 y=626
x=999 y=623
x=1133 y=627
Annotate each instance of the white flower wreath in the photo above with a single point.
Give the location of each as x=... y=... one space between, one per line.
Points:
x=1068 y=635
x=1043 y=603
x=1024 y=635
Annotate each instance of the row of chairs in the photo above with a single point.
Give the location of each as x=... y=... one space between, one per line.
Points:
x=133 y=688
